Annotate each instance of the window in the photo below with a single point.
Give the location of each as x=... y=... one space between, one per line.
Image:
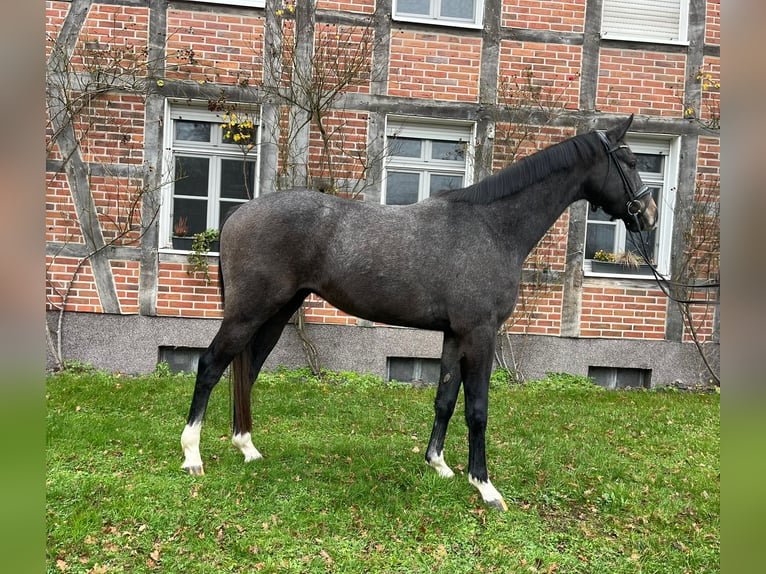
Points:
x=414 y=370
x=658 y=166
x=423 y=158
x=180 y=359
x=212 y=170
x=662 y=21
x=621 y=378
x=465 y=13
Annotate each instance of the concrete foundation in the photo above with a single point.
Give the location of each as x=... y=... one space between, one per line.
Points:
x=131 y=344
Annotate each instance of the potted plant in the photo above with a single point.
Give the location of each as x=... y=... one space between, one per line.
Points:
x=180 y=234
x=202 y=244
x=623 y=263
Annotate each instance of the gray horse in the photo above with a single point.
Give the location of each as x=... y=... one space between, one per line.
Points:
x=450 y=263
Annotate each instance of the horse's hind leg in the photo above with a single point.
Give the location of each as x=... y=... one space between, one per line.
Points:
x=444 y=405
x=212 y=363
x=261 y=345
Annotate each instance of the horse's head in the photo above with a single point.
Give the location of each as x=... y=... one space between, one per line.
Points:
x=616 y=186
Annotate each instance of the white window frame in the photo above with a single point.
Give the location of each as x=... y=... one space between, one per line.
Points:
x=636 y=17
x=428 y=130
x=436 y=19
x=186 y=110
x=250 y=3
x=670 y=147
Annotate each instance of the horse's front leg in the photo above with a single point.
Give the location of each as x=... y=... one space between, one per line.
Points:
x=478 y=367
x=444 y=405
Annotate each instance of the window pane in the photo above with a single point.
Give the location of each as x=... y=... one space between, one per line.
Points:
x=191 y=131
x=242 y=134
x=600 y=236
x=439 y=181
x=402 y=188
x=598 y=215
x=234 y=174
x=649 y=162
x=226 y=208
x=447 y=150
x=195 y=212
x=457 y=9
x=414 y=7
x=191 y=176
x=405 y=147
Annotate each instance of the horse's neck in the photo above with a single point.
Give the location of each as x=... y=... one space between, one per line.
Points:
x=538 y=207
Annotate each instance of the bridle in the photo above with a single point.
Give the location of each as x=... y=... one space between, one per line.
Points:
x=633 y=205
x=634 y=210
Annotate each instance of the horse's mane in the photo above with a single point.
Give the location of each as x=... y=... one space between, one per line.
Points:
x=527 y=171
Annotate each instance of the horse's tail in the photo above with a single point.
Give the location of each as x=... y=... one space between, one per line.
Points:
x=241 y=377
x=241 y=365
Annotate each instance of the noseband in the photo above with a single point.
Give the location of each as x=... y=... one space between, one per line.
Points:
x=633 y=204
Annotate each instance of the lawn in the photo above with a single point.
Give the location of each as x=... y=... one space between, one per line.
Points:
x=596 y=481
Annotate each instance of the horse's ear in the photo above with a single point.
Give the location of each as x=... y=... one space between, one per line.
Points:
x=617 y=133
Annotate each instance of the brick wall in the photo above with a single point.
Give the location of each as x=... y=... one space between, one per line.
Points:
x=349 y=145
x=437 y=66
x=703 y=239
x=538 y=310
x=126 y=278
x=363 y=6
x=60 y=218
x=713 y=22
x=710 y=78
x=611 y=311
x=342 y=53
x=214 y=47
x=641 y=82
x=554 y=69
x=55 y=13
x=183 y=295
x=118 y=207
x=120 y=30
x=66 y=274
x=319 y=311
x=554 y=15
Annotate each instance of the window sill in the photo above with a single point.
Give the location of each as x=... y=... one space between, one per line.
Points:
x=642 y=39
x=616 y=270
x=437 y=22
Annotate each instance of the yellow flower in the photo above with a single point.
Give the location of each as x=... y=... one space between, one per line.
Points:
x=160 y=83
x=279 y=12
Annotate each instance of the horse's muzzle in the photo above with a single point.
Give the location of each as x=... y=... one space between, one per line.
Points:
x=642 y=215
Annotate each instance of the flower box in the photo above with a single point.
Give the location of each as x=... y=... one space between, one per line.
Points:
x=620 y=268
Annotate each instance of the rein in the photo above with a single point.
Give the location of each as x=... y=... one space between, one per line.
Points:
x=634 y=210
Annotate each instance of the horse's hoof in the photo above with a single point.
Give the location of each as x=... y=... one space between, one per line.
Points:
x=498 y=504
x=193 y=470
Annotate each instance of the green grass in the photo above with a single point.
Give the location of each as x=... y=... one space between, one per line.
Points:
x=596 y=481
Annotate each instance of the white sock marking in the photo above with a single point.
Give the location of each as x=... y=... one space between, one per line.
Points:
x=441 y=467
x=489 y=493
x=190 y=446
x=245 y=443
